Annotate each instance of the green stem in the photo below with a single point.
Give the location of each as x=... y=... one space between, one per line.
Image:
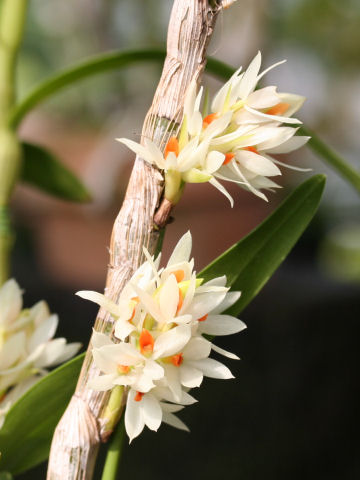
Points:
x=6 y=242
x=12 y=20
x=114 y=452
x=332 y=158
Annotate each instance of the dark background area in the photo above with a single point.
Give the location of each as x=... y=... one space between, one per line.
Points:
x=291 y=410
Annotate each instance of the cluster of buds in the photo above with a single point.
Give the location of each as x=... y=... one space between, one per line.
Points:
x=27 y=347
x=160 y=319
x=234 y=141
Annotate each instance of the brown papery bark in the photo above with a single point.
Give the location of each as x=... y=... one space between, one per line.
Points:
x=81 y=429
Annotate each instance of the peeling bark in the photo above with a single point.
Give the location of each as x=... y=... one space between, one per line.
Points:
x=82 y=427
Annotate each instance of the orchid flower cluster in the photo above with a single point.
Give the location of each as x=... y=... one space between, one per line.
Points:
x=160 y=319
x=234 y=142
x=27 y=346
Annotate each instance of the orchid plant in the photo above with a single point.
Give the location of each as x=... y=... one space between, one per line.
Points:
x=154 y=342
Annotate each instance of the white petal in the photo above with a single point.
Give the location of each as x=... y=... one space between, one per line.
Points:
x=151 y=410
x=102 y=383
x=250 y=78
x=155 y=153
x=182 y=250
x=229 y=300
x=278 y=118
x=190 y=377
x=281 y=135
x=141 y=151
x=39 y=312
x=295 y=102
x=101 y=300
x=221 y=325
x=69 y=351
x=172 y=341
x=10 y=302
x=134 y=422
x=195 y=124
x=188 y=156
x=246 y=183
x=169 y=297
x=218 y=126
x=214 y=160
x=218 y=281
x=150 y=304
x=270 y=68
x=212 y=368
x=142 y=383
x=100 y=339
x=224 y=352
x=263 y=98
x=223 y=190
x=197 y=348
x=44 y=332
x=103 y=362
x=205 y=303
x=50 y=354
x=257 y=163
x=219 y=99
x=153 y=370
x=123 y=328
x=290 y=145
x=172 y=376
x=170 y=407
x=164 y=393
x=174 y=421
x=12 y=350
x=291 y=167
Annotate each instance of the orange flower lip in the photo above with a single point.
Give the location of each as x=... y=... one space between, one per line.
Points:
x=181 y=301
x=209 y=119
x=138 y=397
x=179 y=275
x=172 y=146
x=146 y=342
x=123 y=369
x=177 y=359
x=278 y=109
x=228 y=158
x=252 y=149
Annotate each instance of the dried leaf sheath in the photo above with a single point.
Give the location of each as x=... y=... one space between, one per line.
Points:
x=77 y=437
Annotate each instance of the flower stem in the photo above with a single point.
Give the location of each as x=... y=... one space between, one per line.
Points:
x=12 y=19
x=333 y=159
x=113 y=456
x=6 y=241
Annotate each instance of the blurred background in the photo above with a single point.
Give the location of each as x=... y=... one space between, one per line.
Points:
x=290 y=412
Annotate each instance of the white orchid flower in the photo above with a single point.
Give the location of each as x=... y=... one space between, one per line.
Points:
x=163 y=354
x=27 y=346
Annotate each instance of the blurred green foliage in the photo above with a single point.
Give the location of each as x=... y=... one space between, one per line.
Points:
x=329 y=28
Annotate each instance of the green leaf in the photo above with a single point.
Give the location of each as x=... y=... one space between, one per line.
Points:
x=250 y=263
x=92 y=66
x=25 y=437
x=44 y=171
